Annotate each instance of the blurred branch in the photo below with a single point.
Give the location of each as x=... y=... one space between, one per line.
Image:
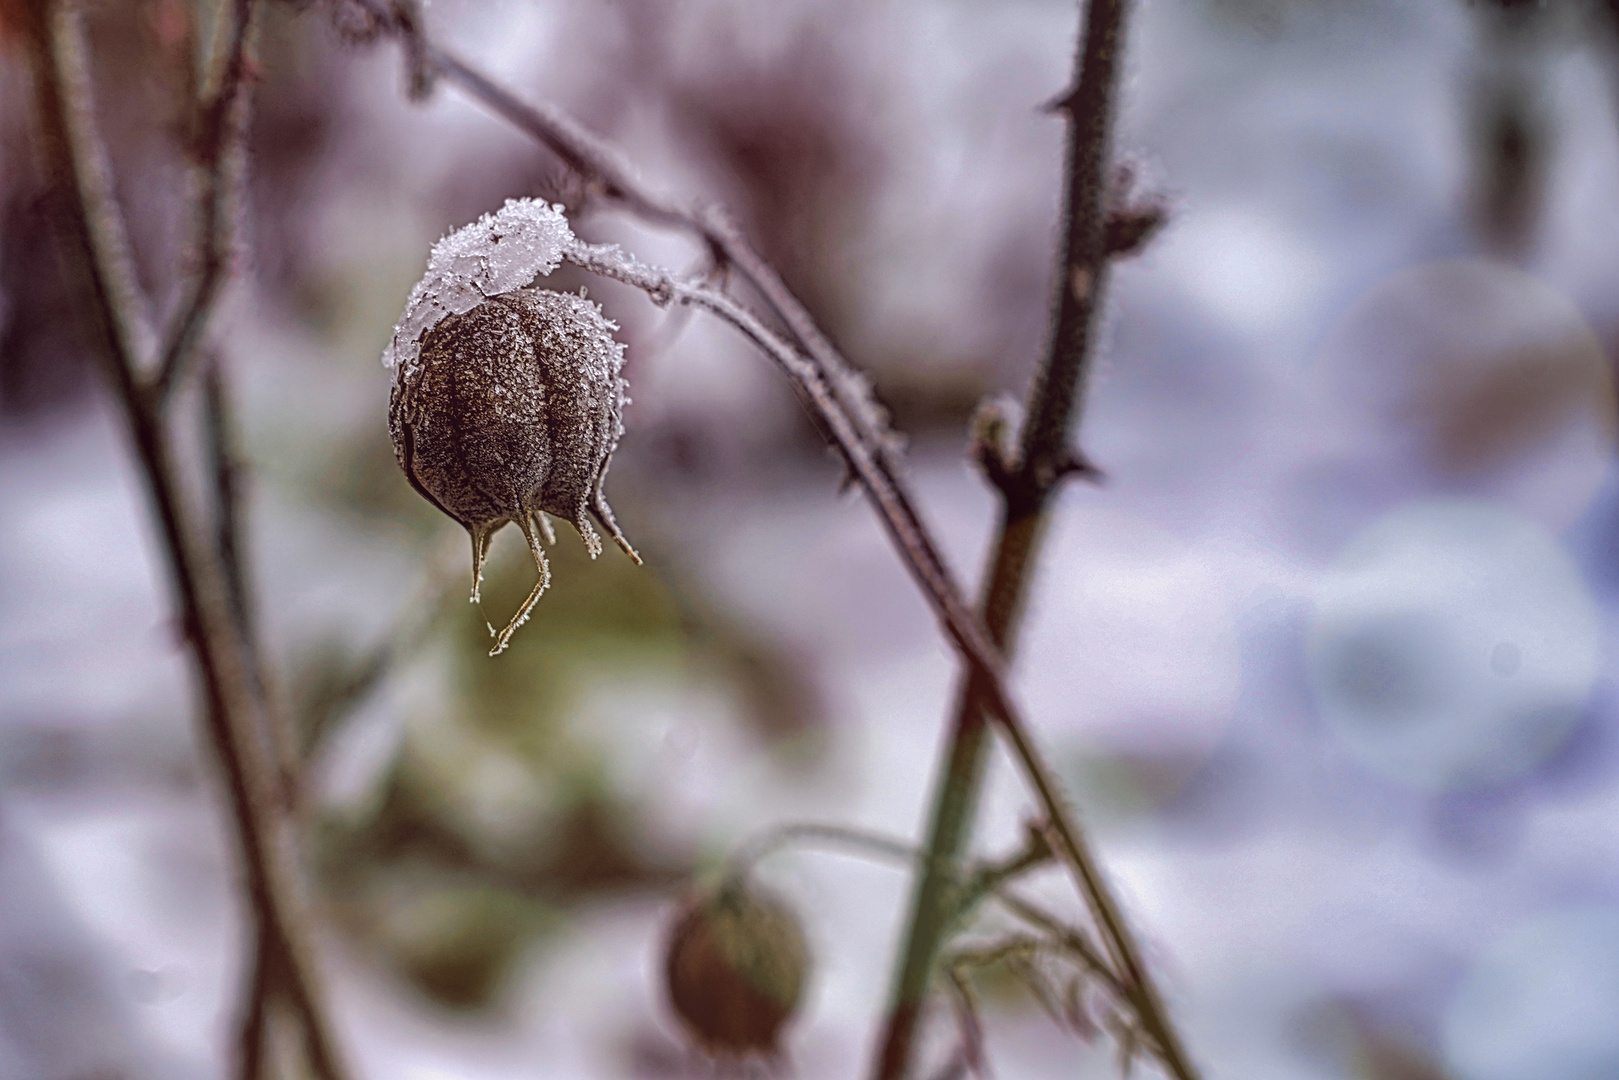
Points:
x=228 y=471
x=762 y=846
x=63 y=93
x=251 y=1049
x=215 y=145
x=338 y=695
x=1027 y=481
x=96 y=246
x=219 y=432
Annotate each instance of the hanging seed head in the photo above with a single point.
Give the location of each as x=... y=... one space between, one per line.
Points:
x=735 y=968
x=507 y=400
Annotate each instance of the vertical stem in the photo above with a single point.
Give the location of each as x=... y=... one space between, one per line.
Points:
x=1027 y=486
x=933 y=901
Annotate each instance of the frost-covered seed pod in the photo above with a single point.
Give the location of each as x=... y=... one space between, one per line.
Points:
x=735 y=968
x=507 y=406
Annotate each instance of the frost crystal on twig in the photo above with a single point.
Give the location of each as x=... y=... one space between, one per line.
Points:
x=497 y=254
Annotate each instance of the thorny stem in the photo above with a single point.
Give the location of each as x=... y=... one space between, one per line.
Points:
x=96 y=247
x=1027 y=485
x=840 y=397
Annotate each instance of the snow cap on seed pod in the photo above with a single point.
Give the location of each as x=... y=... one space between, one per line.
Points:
x=735 y=968
x=507 y=402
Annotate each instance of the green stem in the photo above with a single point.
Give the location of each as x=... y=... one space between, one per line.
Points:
x=933 y=906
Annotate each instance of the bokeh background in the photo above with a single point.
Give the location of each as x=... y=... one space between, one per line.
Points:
x=1328 y=660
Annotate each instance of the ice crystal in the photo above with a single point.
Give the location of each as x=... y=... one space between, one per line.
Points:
x=497 y=254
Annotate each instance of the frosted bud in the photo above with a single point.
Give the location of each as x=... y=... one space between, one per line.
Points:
x=508 y=408
x=735 y=968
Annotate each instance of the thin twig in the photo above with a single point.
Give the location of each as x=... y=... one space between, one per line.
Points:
x=216 y=147
x=750 y=854
x=1067 y=936
x=960 y=624
x=61 y=62
x=77 y=155
x=228 y=471
x=253 y=1024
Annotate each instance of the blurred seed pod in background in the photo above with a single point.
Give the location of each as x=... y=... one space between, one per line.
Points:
x=735 y=966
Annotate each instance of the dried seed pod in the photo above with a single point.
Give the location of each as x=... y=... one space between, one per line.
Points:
x=735 y=968
x=507 y=405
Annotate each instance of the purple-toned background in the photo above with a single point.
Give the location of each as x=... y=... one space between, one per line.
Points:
x=1327 y=660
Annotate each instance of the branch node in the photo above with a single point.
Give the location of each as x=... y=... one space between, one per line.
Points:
x=1134 y=217
x=989 y=443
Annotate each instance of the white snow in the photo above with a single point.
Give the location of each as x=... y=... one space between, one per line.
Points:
x=499 y=253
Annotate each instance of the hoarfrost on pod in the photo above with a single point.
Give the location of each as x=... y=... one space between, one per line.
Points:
x=497 y=254
x=507 y=399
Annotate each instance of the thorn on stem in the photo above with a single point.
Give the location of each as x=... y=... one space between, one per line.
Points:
x=1073 y=462
x=1063 y=102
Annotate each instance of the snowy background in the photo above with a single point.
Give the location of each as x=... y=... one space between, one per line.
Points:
x=1328 y=660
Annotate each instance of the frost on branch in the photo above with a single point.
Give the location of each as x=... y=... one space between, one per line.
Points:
x=497 y=254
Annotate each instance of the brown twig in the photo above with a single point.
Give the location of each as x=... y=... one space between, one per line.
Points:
x=253 y=1024
x=96 y=247
x=228 y=471
x=215 y=145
